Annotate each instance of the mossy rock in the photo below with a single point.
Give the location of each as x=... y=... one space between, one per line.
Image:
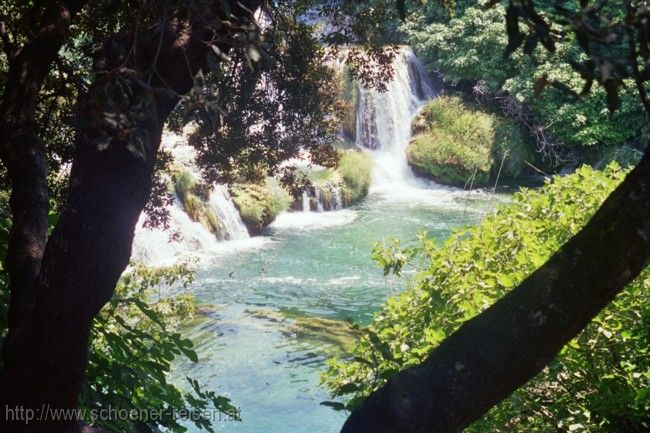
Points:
x=349 y=94
x=194 y=197
x=339 y=335
x=260 y=204
x=459 y=146
x=355 y=170
x=350 y=180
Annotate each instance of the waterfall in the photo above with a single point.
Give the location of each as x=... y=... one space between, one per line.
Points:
x=229 y=218
x=384 y=119
x=336 y=194
x=305 y=201
x=323 y=197
x=319 y=201
x=154 y=245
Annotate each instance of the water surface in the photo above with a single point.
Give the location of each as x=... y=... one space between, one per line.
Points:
x=310 y=265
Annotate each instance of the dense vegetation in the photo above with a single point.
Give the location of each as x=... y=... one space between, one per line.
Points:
x=456 y=145
x=598 y=383
x=135 y=341
x=464 y=46
x=260 y=203
x=260 y=94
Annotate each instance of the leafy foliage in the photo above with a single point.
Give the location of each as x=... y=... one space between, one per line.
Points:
x=135 y=340
x=598 y=383
x=467 y=47
x=456 y=145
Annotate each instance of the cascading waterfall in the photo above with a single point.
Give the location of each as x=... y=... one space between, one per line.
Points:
x=338 y=202
x=322 y=198
x=319 y=201
x=154 y=245
x=384 y=120
x=223 y=207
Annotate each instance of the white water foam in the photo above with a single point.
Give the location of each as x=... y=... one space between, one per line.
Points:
x=196 y=241
x=313 y=220
x=384 y=129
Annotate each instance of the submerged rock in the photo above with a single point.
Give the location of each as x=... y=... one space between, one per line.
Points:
x=339 y=336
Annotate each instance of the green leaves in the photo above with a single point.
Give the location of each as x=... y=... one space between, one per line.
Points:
x=135 y=342
x=598 y=383
x=122 y=108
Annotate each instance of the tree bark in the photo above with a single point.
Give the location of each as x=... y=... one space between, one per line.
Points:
x=23 y=154
x=499 y=350
x=91 y=245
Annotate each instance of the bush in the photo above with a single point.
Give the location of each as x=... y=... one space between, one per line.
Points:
x=451 y=143
x=469 y=47
x=355 y=170
x=600 y=380
x=134 y=342
x=455 y=145
x=260 y=204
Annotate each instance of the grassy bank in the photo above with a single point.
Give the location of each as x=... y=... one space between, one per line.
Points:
x=455 y=144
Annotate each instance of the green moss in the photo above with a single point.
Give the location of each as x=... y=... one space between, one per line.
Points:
x=194 y=197
x=183 y=183
x=260 y=204
x=338 y=336
x=355 y=170
x=193 y=206
x=455 y=145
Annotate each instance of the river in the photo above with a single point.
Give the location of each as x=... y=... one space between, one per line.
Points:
x=310 y=265
x=273 y=305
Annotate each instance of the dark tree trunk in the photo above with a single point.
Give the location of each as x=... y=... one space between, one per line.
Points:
x=23 y=154
x=498 y=351
x=91 y=245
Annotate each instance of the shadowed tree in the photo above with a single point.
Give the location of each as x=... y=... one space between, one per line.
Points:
x=498 y=351
x=159 y=54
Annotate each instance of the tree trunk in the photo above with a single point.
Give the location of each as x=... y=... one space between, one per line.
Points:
x=23 y=154
x=499 y=350
x=91 y=245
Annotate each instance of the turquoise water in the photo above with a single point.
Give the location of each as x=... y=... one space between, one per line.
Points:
x=313 y=265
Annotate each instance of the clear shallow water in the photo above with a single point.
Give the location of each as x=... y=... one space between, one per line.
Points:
x=314 y=265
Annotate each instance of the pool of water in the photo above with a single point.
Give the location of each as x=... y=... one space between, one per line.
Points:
x=309 y=265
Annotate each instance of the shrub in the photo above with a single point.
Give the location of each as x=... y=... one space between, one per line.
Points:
x=260 y=204
x=134 y=342
x=600 y=380
x=355 y=170
x=452 y=143
x=455 y=145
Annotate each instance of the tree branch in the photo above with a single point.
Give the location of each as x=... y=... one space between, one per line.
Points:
x=499 y=350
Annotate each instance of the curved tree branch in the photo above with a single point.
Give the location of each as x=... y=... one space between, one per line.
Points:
x=499 y=350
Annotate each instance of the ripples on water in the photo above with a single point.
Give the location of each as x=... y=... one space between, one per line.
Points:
x=309 y=265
